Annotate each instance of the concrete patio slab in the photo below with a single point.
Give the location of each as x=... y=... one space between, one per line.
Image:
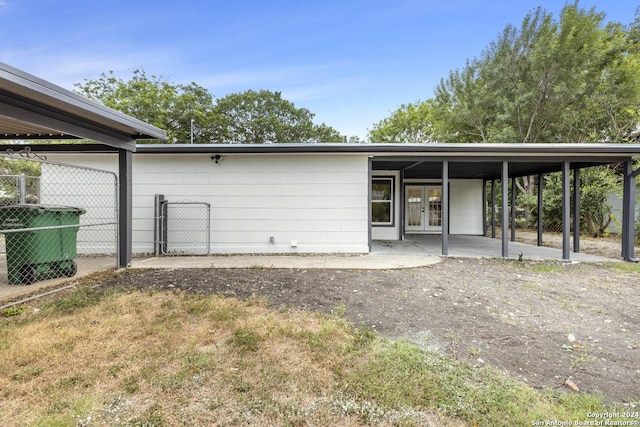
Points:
x=476 y=247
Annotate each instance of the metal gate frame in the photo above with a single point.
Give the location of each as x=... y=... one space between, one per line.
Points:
x=161 y=227
x=108 y=216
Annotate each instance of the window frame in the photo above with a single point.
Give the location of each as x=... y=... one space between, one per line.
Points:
x=391 y=201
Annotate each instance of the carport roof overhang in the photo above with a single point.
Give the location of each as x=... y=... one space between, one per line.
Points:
x=434 y=151
x=484 y=161
x=466 y=161
x=32 y=108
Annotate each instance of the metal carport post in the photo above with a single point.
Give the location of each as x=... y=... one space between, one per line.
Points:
x=566 y=211
x=445 y=207
x=493 y=208
x=125 y=208
x=628 y=211
x=505 y=208
x=540 y=207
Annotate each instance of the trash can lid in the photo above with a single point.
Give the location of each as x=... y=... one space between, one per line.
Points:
x=42 y=208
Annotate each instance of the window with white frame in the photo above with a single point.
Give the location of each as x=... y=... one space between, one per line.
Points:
x=382 y=200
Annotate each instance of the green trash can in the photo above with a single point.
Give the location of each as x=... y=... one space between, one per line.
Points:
x=40 y=254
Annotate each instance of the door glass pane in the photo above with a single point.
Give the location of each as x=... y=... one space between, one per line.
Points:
x=414 y=207
x=435 y=207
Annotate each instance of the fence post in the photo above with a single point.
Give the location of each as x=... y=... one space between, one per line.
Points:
x=22 y=189
x=158 y=224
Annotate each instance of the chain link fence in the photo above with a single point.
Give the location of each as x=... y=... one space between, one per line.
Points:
x=182 y=228
x=599 y=228
x=50 y=214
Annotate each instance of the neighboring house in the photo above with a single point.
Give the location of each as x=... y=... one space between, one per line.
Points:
x=328 y=198
x=614 y=198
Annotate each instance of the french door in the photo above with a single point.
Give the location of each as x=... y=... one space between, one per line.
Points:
x=423 y=208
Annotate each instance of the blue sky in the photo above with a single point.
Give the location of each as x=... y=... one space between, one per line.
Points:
x=350 y=62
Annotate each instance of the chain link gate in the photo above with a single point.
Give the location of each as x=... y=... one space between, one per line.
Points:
x=51 y=213
x=182 y=228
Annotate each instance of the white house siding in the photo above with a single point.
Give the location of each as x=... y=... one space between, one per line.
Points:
x=465 y=206
x=318 y=201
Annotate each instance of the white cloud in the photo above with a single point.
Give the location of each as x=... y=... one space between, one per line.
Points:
x=263 y=76
x=3 y=5
x=341 y=87
x=298 y=83
x=64 y=68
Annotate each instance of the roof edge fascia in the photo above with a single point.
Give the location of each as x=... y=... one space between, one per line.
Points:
x=22 y=83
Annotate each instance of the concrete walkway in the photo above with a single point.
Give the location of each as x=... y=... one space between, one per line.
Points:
x=86 y=266
x=416 y=251
x=371 y=261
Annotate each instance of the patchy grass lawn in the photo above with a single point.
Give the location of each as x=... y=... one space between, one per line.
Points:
x=108 y=357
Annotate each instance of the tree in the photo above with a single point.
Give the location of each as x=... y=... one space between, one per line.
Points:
x=572 y=79
x=265 y=117
x=568 y=80
x=10 y=171
x=463 y=106
x=411 y=122
x=248 y=117
x=154 y=100
x=595 y=211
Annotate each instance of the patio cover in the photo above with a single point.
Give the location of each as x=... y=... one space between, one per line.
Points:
x=33 y=108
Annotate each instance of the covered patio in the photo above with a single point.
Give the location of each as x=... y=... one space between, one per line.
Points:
x=499 y=165
x=474 y=247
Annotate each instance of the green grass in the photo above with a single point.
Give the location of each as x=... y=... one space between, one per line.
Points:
x=631 y=267
x=172 y=359
x=245 y=340
x=13 y=311
x=84 y=297
x=152 y=417
x=545 y=268
x=398 y=375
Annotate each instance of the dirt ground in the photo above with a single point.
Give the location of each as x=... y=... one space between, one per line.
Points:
x=604 y=246
x=542 y=322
